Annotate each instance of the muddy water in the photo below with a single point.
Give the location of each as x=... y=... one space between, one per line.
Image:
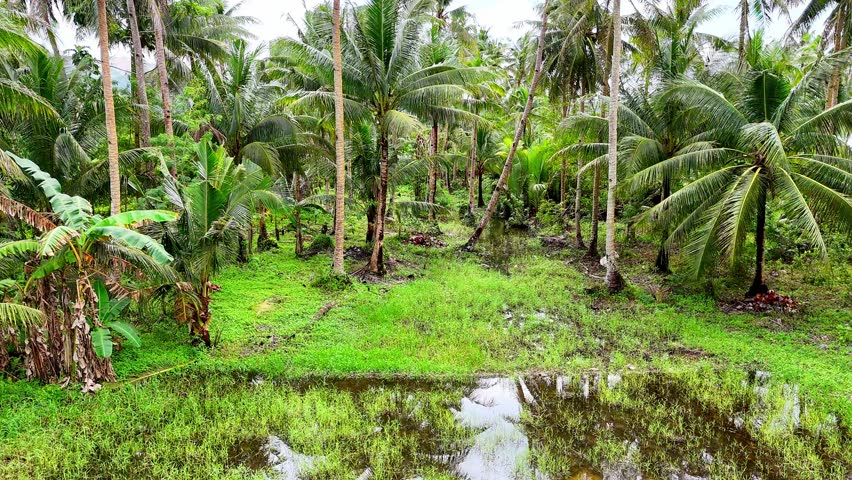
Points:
x=613 y=427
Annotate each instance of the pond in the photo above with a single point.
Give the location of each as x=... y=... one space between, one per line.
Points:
x=615 y=426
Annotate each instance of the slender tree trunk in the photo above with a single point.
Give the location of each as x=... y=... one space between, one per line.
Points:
x=377 y=264
x=563 y=185
x=446 y=150
x=480 y=201
x=596 y=183
x=109 y=111
x=250 y=239
x=596 y=213
x=160 y=54
x=297 y=213
x=578 y=230
x=744 y=8
x=139 y=67
x=432 y=184
x=202 y=327
x=339 y=146
x=614 y=280
x=519 y=132
x=840 y=27
x=419 y=150
x=662 y=262
x=275 y=226
x=471 y=171
x=759 y=283
x=371 y=223
x=262 y=231
x=563 y=169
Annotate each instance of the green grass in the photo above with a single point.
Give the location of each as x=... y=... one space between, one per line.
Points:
x=441 y=314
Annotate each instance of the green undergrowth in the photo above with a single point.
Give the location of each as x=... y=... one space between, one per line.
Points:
x=510 y=308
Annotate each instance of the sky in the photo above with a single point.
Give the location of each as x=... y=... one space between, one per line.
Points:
x=500 y=17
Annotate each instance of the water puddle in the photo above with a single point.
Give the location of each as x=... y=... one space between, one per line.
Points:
x=615 y=426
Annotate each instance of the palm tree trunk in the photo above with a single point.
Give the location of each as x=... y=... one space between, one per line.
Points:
x=563 y=172
x=833 y=91
x=371 y=223
x=744 y=8
x=614 y=280
x=596 y=213
x=377 y=264
x=339 y=146
x=160 y=53
x=563 y=187
x=139 y=68
x=759 y=283
x=471 y=172
x=446 y=150
x=297 y=213
x=662 y=262
x=262 y=231
x=109 y=111
x=519 y=132
x=596 y=183
x=250 y=240
x=433 y=170
x=480 y=201
x=275 y=226
x=578 y=230
x=202 y=326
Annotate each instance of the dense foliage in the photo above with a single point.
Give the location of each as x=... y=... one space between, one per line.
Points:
x=719 y=145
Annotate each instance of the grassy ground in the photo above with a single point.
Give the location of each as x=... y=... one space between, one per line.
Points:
x=514 y=307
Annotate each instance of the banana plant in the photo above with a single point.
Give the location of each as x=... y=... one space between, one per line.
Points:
x=72 y=251
x=109 y=311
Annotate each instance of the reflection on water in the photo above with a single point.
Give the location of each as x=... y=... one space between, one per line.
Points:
x=501 y=447
x=586 y=427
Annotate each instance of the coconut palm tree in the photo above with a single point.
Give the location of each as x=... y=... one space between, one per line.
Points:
x=573 y=71
x=182 y=36
x=384 y=81
x=215 y=214
x=614 y=280
x=667 y=40
x=339 y=142
x=13 y=30
x=109 y=111
x=243 y=101
x=532 y=175
x=144 y=115
x=761 y=10
x=159 y=28
x=54 y=118
x=775 y=147
x=654 y=131
x=838 y=27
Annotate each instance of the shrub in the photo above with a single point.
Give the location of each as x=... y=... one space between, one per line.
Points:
x=332 y=282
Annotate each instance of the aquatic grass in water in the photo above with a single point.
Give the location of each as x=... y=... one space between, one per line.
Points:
x=195 y=425
x=552 y=427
